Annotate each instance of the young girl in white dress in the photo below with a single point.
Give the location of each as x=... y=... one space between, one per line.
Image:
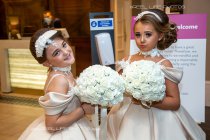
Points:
x=164 y=120
x=64 y=117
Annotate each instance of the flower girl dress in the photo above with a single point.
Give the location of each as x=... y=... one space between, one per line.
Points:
x=55 y=103
x=134 y=122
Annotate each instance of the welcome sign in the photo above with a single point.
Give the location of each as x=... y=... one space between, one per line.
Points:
x=188 y=54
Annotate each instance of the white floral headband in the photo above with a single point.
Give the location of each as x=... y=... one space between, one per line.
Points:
x=41 y=42
x=147 y=12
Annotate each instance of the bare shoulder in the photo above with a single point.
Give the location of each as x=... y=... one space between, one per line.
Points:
x=60 y=80
x=58 y=84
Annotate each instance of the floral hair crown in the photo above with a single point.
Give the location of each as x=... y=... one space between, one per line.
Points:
x=147 y=12
x=42 y=42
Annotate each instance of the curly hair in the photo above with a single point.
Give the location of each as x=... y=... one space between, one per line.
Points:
x=168 y=29
x=36 y=35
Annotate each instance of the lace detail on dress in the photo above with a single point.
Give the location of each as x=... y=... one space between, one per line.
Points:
x=122 y=64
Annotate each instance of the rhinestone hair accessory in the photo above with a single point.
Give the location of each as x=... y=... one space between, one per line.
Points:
x=147 y=12
x=154 y=52
x=42 y=41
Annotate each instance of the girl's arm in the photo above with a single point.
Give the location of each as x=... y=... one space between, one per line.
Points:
x=59 y=122
x=172 y=98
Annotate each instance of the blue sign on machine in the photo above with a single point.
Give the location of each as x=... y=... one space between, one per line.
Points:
x=105 y=23
x=101 y=24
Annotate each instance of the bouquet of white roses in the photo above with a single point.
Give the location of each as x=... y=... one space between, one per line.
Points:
x=145 y=81
x=100 y=85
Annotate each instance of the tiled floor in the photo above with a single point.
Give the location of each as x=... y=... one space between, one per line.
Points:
x=14 y=118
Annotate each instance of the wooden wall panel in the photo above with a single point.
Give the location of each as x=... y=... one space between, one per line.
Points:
x=74 y=15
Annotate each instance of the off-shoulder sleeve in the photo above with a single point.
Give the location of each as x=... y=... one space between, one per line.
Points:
x=172 y=74
x=54 y=103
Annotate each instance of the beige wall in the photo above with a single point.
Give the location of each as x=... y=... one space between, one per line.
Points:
x=192 y=7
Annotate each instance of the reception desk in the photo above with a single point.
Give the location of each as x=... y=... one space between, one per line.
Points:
x=11 y=56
